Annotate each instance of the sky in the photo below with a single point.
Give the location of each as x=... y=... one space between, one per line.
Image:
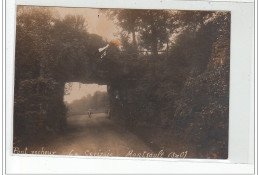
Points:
x=80 y=90
x=97 y=22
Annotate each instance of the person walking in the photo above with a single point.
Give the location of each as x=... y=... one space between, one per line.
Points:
x=109 y=114
x=89 y=113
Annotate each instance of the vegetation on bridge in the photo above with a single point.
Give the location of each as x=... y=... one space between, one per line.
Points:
x=171 y=71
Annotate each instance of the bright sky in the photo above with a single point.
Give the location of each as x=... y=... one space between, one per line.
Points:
x=97 y=22
x=80 y=90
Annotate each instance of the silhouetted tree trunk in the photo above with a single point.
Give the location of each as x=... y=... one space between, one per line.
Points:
x=134 y=39
x=154 y=41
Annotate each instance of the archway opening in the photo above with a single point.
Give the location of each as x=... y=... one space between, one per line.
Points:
x=81 y=99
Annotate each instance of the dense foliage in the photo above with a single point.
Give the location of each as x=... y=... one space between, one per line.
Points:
x=171 y=71
x=186 y=88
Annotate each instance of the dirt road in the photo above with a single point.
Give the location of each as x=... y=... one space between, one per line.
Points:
x=97 y=136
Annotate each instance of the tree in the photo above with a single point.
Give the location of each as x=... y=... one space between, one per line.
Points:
x=33 y=38
x=153 y=27
x=32 y=85
x=156 y=27
x=128 y=21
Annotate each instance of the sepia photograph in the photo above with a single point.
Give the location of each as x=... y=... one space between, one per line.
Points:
x=137 y=83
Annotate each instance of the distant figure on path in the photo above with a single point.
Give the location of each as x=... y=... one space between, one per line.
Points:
x=89 y=114
x=109 y=114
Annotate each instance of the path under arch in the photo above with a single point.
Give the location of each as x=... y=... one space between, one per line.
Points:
x=96 y=136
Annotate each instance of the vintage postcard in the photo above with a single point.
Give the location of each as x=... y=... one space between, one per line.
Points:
x=121 y=82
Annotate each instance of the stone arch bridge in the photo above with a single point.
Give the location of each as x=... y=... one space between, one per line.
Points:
x=121 y=72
